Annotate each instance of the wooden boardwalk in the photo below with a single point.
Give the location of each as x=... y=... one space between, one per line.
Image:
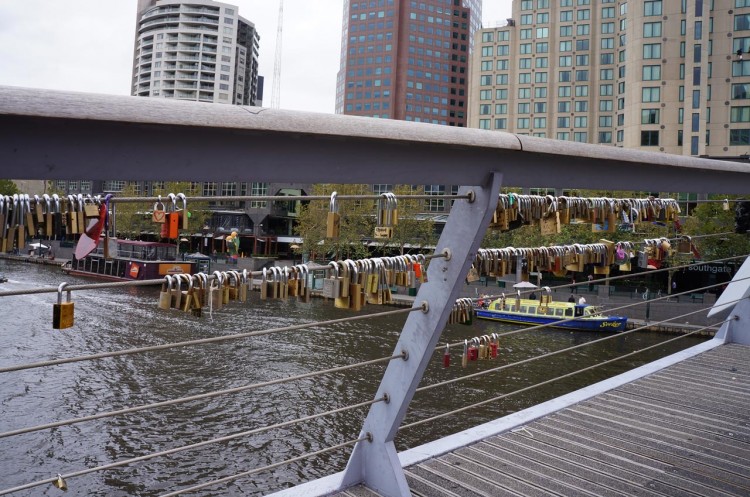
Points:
x=682 y=431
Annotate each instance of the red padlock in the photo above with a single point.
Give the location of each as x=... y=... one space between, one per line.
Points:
x=493 y=346
x=447 y=356
x=473 y=351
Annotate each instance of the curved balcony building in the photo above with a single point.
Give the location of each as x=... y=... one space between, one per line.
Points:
x=198 y=50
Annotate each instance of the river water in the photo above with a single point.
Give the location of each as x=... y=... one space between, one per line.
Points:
x=115 y=319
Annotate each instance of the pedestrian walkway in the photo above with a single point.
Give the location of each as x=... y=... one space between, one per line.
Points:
x=683 y=430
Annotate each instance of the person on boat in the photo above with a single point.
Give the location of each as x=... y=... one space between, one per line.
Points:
x=581 y=300
x=532 y=296
x=572 y=298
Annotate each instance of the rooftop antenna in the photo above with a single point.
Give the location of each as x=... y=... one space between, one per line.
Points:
x=276 y=90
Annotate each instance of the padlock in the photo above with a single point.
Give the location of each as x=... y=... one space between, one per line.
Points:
x=31 y=218
x=483 y=349
x=216 y=292
x=386 y=213
x=465 y=355
x=165 y=295
x=447 y=356
x=242 y=290
x=493 y=346
x=198 y=295
x=183 y=213
x=187 y=296
x=90 y=207
x=263 y=285
x=48 y=219
x=71 y=217
x=3 y=226
x=159 y=214
x=473 y=351
x=333 y=222
x=13 y=226
x=176 y=293
x=81 y=214
x=62 y=312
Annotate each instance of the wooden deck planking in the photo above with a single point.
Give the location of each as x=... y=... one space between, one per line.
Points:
x=682 y=431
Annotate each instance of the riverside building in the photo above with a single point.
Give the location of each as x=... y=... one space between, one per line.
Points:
x=407 y=60
x=661 y=75
x=196 y=50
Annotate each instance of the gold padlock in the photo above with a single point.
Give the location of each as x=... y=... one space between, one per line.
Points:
x=62 y=312
x=165 y=295
x=333 y=222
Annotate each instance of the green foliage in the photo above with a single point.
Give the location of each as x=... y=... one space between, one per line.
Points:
x=8 y=187
x=134 y=218
x=358 y=223
x=710 y=217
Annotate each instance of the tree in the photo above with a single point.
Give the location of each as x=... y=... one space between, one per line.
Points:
x=711 y=218
x=358 y=223
x=8 y=187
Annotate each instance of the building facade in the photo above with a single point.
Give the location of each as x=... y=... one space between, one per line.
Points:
x=662 y=75
x=197 y=50
x=407 y=59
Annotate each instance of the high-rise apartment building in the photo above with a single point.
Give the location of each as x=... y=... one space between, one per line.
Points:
x=407 y=59
x=197 y=50
x=662 y=75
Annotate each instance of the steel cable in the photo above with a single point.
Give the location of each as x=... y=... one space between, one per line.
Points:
x=196 y=445
x=202 y=396
x=152 y=348
x=494 y=399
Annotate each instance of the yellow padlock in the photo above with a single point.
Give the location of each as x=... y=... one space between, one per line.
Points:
x=62 y=312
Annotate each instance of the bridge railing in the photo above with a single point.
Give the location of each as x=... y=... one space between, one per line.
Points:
x=71 y=136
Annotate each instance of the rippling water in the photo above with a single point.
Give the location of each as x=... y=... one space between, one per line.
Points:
x=110 y=320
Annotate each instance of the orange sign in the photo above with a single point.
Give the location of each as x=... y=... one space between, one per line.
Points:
x=173 y=268
x=134 y=270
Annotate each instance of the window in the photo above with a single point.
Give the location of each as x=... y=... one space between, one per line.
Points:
x=740 y=115
x=605 y=105
x=563 y=122
x=650 y=116
x=524 y=108
x=742 y=22
x=501 y=108
x=486 y=51
x=501 y=123
x=258 y=190
x=540 y=77
x=582 y=44
x=541 y=62
x=739 y=137
x=652 y=8
x=607 y=58
x=651 y=29
x=605 y=137
x=484 y=124
x=501 y=94
x=540 y=122
x=540 y=107
x=540 y=92
x=565 y=61
x=580 y=137
x=741 y=91
x=650 y=94
x=583 y=29
x=581 y=122
x=583 y=15
x=608 y=12
x=563 y=136
x=582 y=60
x=651 y=73
x=566 y=15
x=524 y=63
x=563 y=76
x=488 y=36
x=606 y=74
x=522 y=123
x=563 y=91
x=606 y=90
x=485 y=94
x=566 y=46
x=563 y=106
x=434 y=205
x=582 y=106
x=524 y=93
x=650 y=138
x=652 y=50
x=566 y=30
x=605 y=121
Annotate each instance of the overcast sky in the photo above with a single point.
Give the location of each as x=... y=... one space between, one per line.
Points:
x=87 y=45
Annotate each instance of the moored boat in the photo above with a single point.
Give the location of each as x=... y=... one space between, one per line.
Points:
x=567 y=315
x=131 y=260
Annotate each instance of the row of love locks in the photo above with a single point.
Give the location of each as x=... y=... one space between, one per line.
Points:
x=604 y=213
